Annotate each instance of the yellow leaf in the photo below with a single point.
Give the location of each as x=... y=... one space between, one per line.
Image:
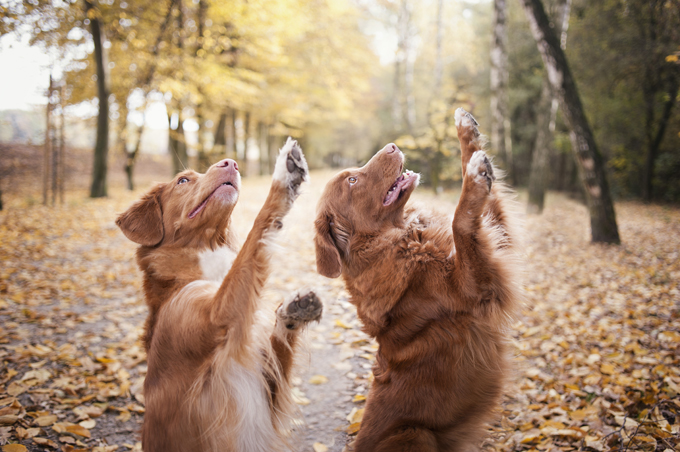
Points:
x=353 y=429
x=671 y=58
x=8 y=419
x=318 y=380
x=78 y=430
x=356 y=415
x=90 y=423
x=124 y=416
x=607 y=369
x=14 y=448
x=45 y=442
x=359 y=398
x=14 y=389
x=342 y=324
x=531 y=436
x=669 y=336
x=319 y=447
x=44 y=421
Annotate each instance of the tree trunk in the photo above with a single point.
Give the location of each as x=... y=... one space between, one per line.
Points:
x=591 y=165
x=101 y=149
x=500 y=122
x=55 y=165
x=245 y=163
x=132 y=156
x=230 y=134
x=545 y=124
x=177 y=144
x=48 y=142
x=62 y=142
x=219 y=140
x=264 y=148
x=655 y=143
x=439 y=62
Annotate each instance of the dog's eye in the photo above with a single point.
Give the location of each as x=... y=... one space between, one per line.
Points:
x=182 y=180
x=352 y=180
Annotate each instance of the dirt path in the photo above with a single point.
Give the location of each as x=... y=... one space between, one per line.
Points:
x=597 y=347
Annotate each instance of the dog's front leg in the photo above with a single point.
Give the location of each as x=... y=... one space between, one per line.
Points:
x=473 y=248
x=237 y=298
x=470 y=143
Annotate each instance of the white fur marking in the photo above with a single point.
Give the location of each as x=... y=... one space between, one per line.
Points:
x=256 y=431
x=215 y=264
x=459 y=116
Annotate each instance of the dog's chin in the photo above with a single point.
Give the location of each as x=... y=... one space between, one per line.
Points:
x=224 y=195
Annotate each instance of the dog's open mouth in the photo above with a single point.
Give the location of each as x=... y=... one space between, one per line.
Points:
x=397 y=189
x=200 y=207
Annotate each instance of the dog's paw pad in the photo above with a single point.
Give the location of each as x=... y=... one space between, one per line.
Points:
x=480 y=169
x=291 y=166
x=465 y=121
x=299 y=310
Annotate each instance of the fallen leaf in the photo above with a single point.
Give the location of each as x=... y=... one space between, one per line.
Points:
x=89 y=424
x=45 y=442
x=44 y=421
x=8 y=419
x=14 y=448
x=78 y=430
x=319 y=447
x=318 y=380
x=353 y=429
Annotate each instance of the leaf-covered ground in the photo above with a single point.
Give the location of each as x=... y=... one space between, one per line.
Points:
x=597 y=346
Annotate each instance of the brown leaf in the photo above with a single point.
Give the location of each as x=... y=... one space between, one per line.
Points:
x=78 y=430
x=45 y=442
x=44 y=421
x=14 y=448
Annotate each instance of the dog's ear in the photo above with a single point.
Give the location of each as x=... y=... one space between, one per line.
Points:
x=143 y=221
x=327 y=255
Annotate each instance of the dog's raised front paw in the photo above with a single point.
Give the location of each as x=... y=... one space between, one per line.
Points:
x=299 y=310
x=480 y=169
x=291 y=167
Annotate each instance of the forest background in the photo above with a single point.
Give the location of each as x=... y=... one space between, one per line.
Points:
x=234 y=78
x=140 y=90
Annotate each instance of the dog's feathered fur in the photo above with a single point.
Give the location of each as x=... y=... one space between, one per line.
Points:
x=218 y=376
x=438 y=296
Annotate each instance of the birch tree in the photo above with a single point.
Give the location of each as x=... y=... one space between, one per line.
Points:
x=545 y=123
x=500 y=122
x=591 y=165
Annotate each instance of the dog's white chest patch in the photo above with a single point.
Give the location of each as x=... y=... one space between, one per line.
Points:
x=215 y=264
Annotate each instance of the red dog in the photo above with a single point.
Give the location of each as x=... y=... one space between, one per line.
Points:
x=218 y=377
x=437 y=296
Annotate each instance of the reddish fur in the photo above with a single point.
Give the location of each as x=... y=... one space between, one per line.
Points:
x=440 y=317
x=191 y=334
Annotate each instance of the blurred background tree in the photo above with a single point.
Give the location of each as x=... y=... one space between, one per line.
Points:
x=196 y=81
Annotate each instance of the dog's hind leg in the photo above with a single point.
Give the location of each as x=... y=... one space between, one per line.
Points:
x=291 y=317
x=237 y=299
x=405 y=439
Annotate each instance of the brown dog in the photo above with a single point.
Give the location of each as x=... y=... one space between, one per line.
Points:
x=218 y=377
x=436 y=295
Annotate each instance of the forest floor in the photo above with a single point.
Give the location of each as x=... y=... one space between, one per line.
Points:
x=597 y=345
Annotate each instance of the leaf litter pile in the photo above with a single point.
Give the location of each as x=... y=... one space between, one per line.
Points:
x=597 y=345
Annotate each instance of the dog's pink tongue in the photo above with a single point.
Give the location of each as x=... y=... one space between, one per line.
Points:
x=395 y=190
